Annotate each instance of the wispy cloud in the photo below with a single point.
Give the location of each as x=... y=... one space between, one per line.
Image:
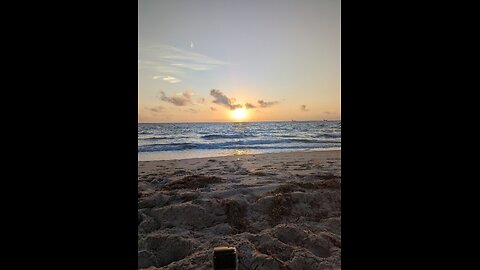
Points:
x=192 y=66
x=191 y=110
x=222 y=99
x=304 y=108
x=250 y=106
x=213 y=108
x=155 y=109
x=192 y=45
x=158 y=67
x=181 y=99
x=266 y=104
x=169 y=79
x=172 y=60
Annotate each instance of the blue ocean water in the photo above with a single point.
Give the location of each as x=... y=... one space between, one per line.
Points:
x=191 y=140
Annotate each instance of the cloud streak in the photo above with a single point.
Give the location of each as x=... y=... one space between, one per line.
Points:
x=222 y=99
x=266 y=104
x=181 y=99
x=190 y=110
x=250 y=106
x=304 y=108
x=169 y=79
x=155 y=109
x=172 y=60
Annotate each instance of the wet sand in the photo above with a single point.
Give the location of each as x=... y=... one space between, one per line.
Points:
x=281 y=211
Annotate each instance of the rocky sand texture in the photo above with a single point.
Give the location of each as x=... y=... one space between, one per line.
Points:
x=281 y=211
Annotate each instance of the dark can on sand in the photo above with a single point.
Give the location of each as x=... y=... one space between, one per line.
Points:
x=225 y=258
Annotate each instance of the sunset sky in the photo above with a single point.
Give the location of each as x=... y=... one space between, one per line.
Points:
x=266 y=60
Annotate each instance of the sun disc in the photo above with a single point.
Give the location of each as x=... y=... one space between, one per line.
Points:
x=239 y=114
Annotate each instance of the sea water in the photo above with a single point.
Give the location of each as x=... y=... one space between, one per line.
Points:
x=165 y=141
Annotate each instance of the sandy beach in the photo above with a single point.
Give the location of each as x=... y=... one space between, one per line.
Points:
x=281 y=211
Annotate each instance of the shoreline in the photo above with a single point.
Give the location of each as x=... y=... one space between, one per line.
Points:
x=239 y=155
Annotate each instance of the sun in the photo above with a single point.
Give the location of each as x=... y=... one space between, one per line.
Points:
x=239 y=114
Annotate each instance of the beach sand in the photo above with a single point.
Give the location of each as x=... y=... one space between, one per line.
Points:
x=281 y=211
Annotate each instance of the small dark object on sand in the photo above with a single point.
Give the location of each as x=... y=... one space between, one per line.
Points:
x=225 y=258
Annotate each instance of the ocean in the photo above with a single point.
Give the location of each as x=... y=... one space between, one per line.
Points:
x=193 y=140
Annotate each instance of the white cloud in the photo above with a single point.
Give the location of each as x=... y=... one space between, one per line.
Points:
x=170 y=79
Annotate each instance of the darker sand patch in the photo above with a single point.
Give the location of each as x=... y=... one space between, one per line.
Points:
x=162 y=250
x=293 y=235
x=302 y=186
x=236 y=214
x=330 y=183
x=280 y=208
x=326 y=176
x=316 y=176
x=270 y=246
x=261 y=173
x=192 y=182
x=140 y=218
x=146 y=222
x=179 y=172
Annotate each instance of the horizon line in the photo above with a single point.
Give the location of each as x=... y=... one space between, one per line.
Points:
x=239 y=121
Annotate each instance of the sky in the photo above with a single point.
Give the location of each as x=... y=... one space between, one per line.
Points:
x=221 y=60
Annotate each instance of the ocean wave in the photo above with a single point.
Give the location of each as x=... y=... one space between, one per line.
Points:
x=166 y=147
x=226 y=136
x=240 y=144
x=314 y=141
x=329 y=135
x=163 y=138
x=160 y=148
